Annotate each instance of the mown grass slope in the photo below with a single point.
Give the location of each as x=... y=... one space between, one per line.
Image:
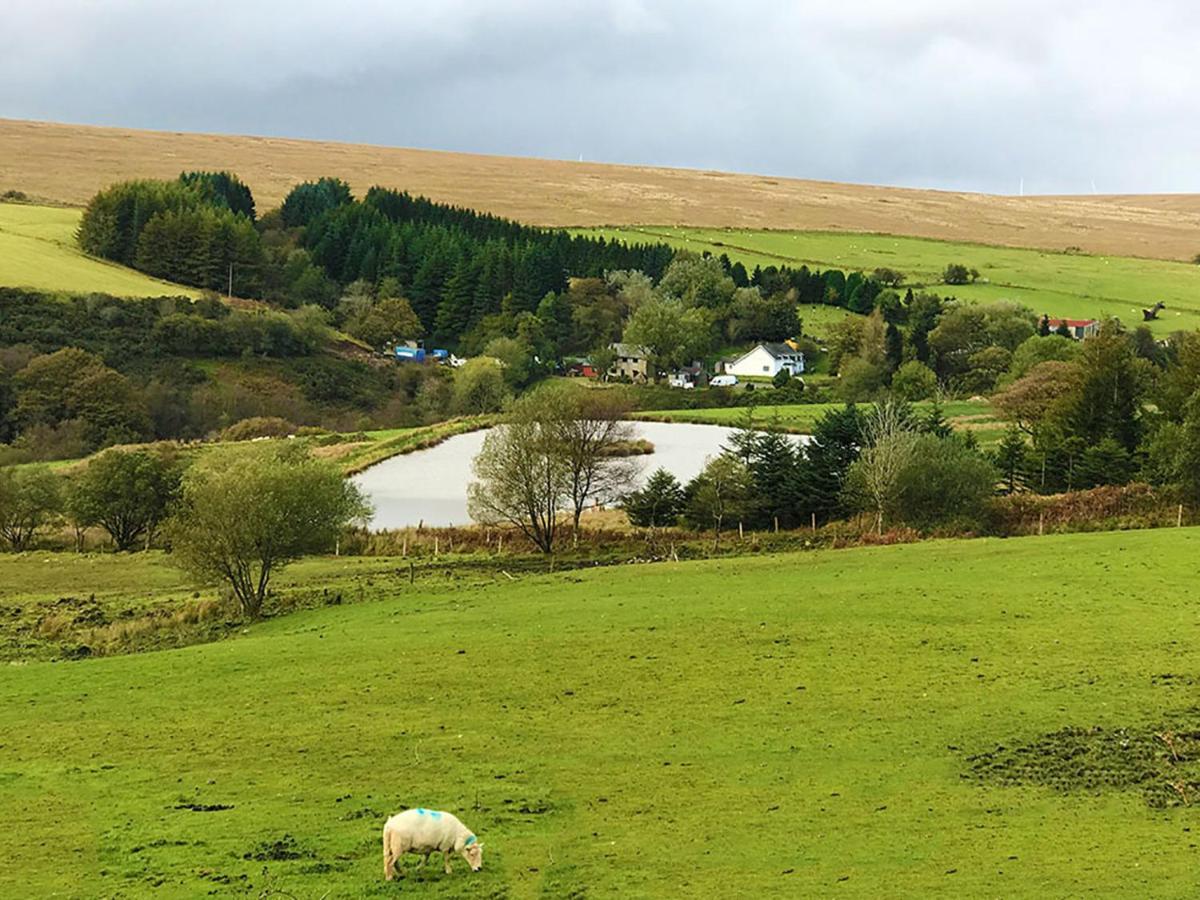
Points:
x=1068 y=285
x=38 y=251
x=797 y=725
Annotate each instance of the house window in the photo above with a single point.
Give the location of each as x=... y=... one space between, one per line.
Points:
x=766 y=368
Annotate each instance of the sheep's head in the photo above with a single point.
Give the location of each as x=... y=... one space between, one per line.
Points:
x=473 y=854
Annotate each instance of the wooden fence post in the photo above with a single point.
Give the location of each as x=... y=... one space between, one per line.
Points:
x=1041 y=522
x=814 y=523
x=1179 y=517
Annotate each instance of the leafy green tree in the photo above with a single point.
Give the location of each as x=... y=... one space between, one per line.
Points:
x=555 y=315
x=516 y=360
x=697 y=281
x=386 y=323
x=127 y=493
x=72 y=384
x=1181 y=380
x=956 y=273
x=1041 y=396
x=722 y=491
x=27 y=498
x=943 y=483
x=670 y=334
x=914 y=381
x=658 y=504
x=1187 y=458
x=244 y=516
x=479 y=387
x=860 y=380
x=1038 y=349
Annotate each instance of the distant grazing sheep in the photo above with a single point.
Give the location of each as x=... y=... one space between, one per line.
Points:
x=428 y=831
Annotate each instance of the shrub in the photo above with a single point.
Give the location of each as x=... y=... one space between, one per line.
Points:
x=127 y=493
x=914 y=381
x=258 y=427
x=945 y=483
x=956 y=273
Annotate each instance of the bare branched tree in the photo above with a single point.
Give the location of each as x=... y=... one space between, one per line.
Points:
x=591 y=431
x=522 y=479
x=890 y=439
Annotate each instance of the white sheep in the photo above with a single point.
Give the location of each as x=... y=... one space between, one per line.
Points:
x=427 y=831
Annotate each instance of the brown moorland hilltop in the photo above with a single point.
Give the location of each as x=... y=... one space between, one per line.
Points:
x=68 y=163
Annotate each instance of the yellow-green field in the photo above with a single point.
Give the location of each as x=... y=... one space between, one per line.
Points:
x=801 y=725
x=1070 y=285
x=37 y=250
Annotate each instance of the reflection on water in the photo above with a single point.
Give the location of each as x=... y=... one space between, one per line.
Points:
x=430 y=486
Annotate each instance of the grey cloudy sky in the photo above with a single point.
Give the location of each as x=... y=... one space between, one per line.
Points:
x=926 y=93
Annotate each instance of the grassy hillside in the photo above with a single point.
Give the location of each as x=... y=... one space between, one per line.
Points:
x=783 y=726
x=38 y=251
x=1060 y=284
x=69 y=163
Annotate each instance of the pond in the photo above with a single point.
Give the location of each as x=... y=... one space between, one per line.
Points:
x=430 y=486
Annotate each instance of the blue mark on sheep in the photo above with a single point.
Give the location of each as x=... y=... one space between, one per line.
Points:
x=420 y=812
x=469 y=841
x=435 y=813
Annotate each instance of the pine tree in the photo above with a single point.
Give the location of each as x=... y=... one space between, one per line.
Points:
x=893 y=347
x=773 y=469
x=1010 y=458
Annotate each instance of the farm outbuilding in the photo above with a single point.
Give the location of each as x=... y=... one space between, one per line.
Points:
x=1079 y=328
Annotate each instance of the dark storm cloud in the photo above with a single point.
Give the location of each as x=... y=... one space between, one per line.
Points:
x=933 y=93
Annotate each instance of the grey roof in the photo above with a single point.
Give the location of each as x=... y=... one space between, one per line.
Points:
x=778 y=350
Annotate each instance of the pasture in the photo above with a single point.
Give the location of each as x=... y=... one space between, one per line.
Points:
x=1067 y=285
x=69 y=163
x=38 y=251
x=965 y=415
x=797 y=725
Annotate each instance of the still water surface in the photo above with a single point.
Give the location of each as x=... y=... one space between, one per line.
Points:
x=430 y=486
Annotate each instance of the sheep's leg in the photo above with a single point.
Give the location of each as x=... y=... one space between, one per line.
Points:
x=389 y=861
x=446 y=860
x=424 y=859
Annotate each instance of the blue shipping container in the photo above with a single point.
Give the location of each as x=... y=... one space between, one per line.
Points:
x=415 y=354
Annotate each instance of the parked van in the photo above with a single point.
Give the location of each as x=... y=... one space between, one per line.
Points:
x=723 y=380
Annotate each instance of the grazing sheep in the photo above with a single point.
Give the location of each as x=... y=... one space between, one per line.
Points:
x=427 y=831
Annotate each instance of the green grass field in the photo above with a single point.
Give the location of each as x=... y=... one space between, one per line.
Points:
x=797 y=725
x=966 y=415
x=1060 y=284
x=38 y=251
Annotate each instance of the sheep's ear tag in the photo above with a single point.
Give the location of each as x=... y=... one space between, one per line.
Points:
x=470 y=841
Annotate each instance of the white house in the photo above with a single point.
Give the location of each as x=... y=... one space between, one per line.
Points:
x=767 y=360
